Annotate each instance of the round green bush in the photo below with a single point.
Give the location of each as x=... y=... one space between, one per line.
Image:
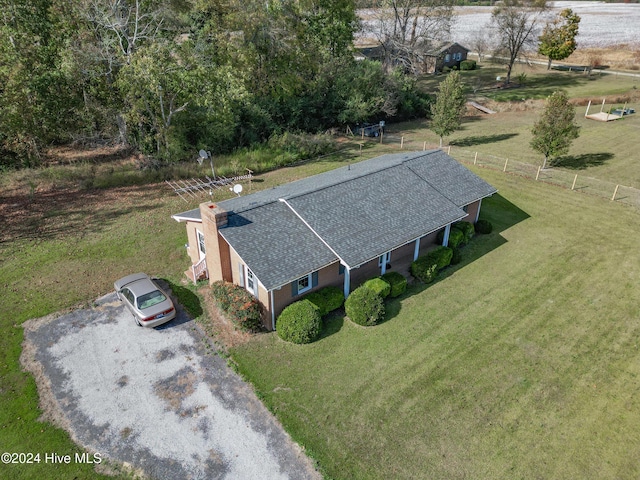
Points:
x=319 y=301
x=467 y=229
x=379 y=285
x=456 y=238
x=326 y=299
x=397 y=281
x=468 y=65
x=424 y=269
x=441 y=256
x=300 y=322
x=364 y=306
x=483 y=226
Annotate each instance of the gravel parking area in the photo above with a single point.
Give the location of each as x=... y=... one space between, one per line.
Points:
x=159 y=399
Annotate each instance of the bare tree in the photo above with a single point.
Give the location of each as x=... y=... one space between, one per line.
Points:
x=481 y=43
x=516 y=23
x=406 y=29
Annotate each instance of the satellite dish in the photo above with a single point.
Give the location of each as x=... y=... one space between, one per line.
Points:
x=237 y=189
x=203 y=154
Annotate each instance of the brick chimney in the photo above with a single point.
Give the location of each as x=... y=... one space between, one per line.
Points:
x=217 y=249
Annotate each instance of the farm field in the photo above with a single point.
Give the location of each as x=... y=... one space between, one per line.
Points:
x=521 y=361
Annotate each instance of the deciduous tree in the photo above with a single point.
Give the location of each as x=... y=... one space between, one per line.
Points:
x=558 y=40
x=556 y=128
x=515 y=23
x=449 y=106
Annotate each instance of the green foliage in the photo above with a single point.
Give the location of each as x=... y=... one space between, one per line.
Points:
x=447 y=111
x=364 y=306
x=326 y=299
x=299 y=323
x=558 y=40
x=483 y=226
x=424 y=269
x=441 y=255
x=456 y=238
x=242 y=308
x=467 y=229
x=468 y=65
x=456 y=258
x=556 y=128
x=378 y=285
x=397 y=281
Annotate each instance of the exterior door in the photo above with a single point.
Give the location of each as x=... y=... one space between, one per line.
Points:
x=201 y=249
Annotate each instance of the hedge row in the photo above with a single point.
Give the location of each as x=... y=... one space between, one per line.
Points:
x=301 y=322
x=365 y=305
x=426 y=267
x=242 y=308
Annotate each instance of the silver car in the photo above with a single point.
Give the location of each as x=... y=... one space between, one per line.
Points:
x=148 y=303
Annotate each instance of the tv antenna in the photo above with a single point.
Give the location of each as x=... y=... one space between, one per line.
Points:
x=203 y=155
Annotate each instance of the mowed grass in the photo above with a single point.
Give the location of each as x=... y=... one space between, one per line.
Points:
x=522 y=362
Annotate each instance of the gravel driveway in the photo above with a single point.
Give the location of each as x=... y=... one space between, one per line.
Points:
x=157 y=399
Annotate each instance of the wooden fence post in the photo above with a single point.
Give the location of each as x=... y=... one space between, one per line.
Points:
x=574 y=182
x=538 y=174
x=449 y=150
x=475 y=158
x=424 y=146
x=402 y=142
x=505 y=165
x=615 y=193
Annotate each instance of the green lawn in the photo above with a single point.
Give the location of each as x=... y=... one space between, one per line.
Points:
x=521 y=362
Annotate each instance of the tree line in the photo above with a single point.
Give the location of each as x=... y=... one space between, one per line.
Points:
x=170 y=77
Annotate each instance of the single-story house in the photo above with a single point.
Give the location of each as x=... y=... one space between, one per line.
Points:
x=445 y=55
x=337 y=228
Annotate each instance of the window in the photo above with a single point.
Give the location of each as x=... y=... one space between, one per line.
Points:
x=458 y=56
x=447 y=58
x=304 y=284
x=251 y=281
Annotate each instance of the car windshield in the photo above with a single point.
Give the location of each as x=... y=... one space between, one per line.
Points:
x=150 y=299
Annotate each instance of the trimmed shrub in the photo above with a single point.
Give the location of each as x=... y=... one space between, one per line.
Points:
x=397 y=281
x=468 y=65
x=364 y=306
x=242 y=308
x=456 y=258
x=483 y=226
x=379 y=285
x=299 y=323
x=441 y=256
x=456 y=238
x=327 y=299
x=467 y=229
x=424 y=269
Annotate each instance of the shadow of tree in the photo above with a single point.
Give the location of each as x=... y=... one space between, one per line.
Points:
x=482 y=139
x=581 y=162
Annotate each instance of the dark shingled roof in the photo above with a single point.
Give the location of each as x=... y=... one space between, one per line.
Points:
x=352 y=214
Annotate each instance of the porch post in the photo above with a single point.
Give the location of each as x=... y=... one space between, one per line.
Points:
x=445 y=239
x=347 y=281
x=273 y=311
x=416 y=250
x=383 y=269
x=478 y=211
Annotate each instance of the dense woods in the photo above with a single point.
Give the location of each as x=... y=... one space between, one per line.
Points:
x=169 y=77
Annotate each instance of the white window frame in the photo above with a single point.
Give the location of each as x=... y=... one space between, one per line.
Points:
x=201 y=246
x=309 y=286
x=251 y=282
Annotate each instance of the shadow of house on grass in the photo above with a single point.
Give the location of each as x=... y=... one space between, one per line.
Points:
x=502 y=214
x=582 y=162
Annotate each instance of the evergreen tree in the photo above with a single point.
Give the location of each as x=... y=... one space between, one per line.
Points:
x=556 y=128
x=449 y=106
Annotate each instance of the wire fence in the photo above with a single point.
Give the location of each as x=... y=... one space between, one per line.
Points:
x=562 y=178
